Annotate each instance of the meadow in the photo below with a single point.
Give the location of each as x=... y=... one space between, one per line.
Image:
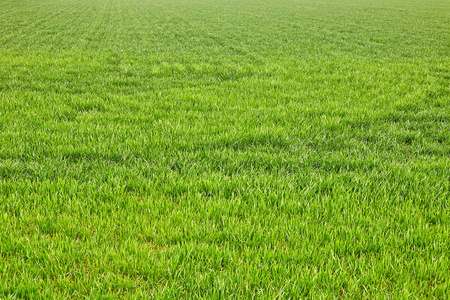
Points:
x=224 y=149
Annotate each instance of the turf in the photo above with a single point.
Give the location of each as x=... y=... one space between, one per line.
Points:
x=224 y=149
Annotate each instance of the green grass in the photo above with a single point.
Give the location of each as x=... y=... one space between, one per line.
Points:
x=224 y=149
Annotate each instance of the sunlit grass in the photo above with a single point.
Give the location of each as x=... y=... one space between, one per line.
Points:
x=224 y=149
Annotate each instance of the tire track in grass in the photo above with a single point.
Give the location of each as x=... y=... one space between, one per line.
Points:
x=64 y=36
x=94 y=33
x=143 y=19
x=71 y=34
x=134 y=19
x=206 y=28
x=178 y=35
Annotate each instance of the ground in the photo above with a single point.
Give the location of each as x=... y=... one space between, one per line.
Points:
x=224 y=149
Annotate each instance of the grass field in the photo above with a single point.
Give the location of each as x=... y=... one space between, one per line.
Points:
x=224 y=149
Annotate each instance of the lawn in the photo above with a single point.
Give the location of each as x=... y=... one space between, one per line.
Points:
x=224 y=149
